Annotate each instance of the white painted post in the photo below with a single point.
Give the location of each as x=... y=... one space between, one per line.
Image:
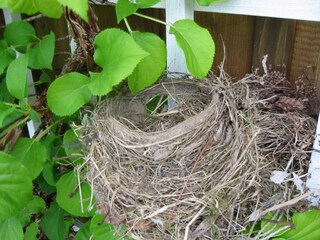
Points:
x=9 y=18
x=176 y=10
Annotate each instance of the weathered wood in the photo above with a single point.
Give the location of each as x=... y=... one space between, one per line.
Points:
x=43 y=26
x=306 y=52
x=236 y=33
x=273 y=37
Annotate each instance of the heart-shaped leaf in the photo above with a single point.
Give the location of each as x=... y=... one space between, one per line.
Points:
x=41 y=55
x=7 y=55
x=68 y=93
x=207 y=2
x=32 y=154
x=80 y=7
x=197 y=45
x=118 y=55
x=15 y=186
x=17 y=77
x=69 y=198
x=11 y=229
x=150 y=68
x=50 y=8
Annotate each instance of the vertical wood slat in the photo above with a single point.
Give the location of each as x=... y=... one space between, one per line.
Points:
x=236 y=33
x=275 y=38
x=176 y=10
x=306 y=52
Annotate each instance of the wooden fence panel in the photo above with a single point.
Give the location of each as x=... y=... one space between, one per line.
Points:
x=273 y=37
x=306 y=52
x=236 y=32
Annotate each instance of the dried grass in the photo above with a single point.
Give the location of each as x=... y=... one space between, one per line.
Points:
x=199 y=170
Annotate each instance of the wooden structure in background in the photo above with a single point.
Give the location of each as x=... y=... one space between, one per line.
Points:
x=293 y=43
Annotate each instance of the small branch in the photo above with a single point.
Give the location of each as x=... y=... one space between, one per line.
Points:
x=152 y=19
x=13 y=126
x=127 y=25
x=67 y=157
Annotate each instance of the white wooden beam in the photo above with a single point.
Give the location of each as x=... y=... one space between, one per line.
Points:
x=177 y=10
x=288 y=9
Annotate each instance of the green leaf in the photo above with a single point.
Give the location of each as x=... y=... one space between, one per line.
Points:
x=41 y=55
x=34 y=116
x=207 y=2
x=68 y=195
x=80 y=7
x=118 y=55
x=15 y=186
x=68 y=93
x=273 y=227
x=36 y=205
x=3 y=4
x=17 y=77
x=31 y=232
x=11 y=229
x=32 y=154
x=102 y=230
x=146 y=3
x=125 y=8
x=19 y=34
x=8 y=114
x=7 y=55
x=197 y=45
x=47 y=173
x=84 y=232
x=150 y=68
x=5 y=96
x=307 y=226
x=50 y=8
x=72 y=145
x=52 y=223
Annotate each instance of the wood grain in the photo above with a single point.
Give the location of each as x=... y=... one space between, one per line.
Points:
x=306 y=52
x=236 y=32
x=275 y=38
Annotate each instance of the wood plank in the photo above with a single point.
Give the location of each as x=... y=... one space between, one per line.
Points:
x=43 y=26
x=306 y=52
x=288 y=9
x=273 y=37
x=236 y=32
x=176 y=10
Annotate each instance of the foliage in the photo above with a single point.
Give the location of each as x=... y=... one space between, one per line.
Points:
x=42 y=187
x=303 y=225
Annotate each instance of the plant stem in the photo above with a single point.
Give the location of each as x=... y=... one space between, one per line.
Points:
x=13 y=126
x=127 y=25
x=152 y=19
x=42 y=134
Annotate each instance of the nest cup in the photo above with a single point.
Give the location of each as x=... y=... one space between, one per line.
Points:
x=198 y=169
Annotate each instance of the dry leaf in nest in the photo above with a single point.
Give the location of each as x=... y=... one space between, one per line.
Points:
x=290 y=104
x=215 y=152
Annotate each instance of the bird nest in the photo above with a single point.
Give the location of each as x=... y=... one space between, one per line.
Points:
x=200 y=167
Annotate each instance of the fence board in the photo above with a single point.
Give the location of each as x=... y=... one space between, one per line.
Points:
x=273 y=37
x=306 y=52
x=236 y=31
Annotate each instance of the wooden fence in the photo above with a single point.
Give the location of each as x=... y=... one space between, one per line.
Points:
x=291 y=43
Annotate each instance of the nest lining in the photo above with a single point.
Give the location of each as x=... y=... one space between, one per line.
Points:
x=198 y=170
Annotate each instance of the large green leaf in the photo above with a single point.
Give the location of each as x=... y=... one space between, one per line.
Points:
x=84 y=232
x=3 y=4
x=150 y=68
x=68 y=93
x=53 y=224
x=102 y=230
x=41 y=55
x=7 y=55
x=207 y=2
x=197 y=45
x=69 y=198
x=17 y=77
x=269 y=227
x=8 y=114
x=19 y=34
x=125 y=8
x=32 y=154
x=80 y=7
x=36 y=205
x=50 y=8
x=11 y=229
x=118 y=55
x=15 y=186
x=307 y=226
x=31 y=232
